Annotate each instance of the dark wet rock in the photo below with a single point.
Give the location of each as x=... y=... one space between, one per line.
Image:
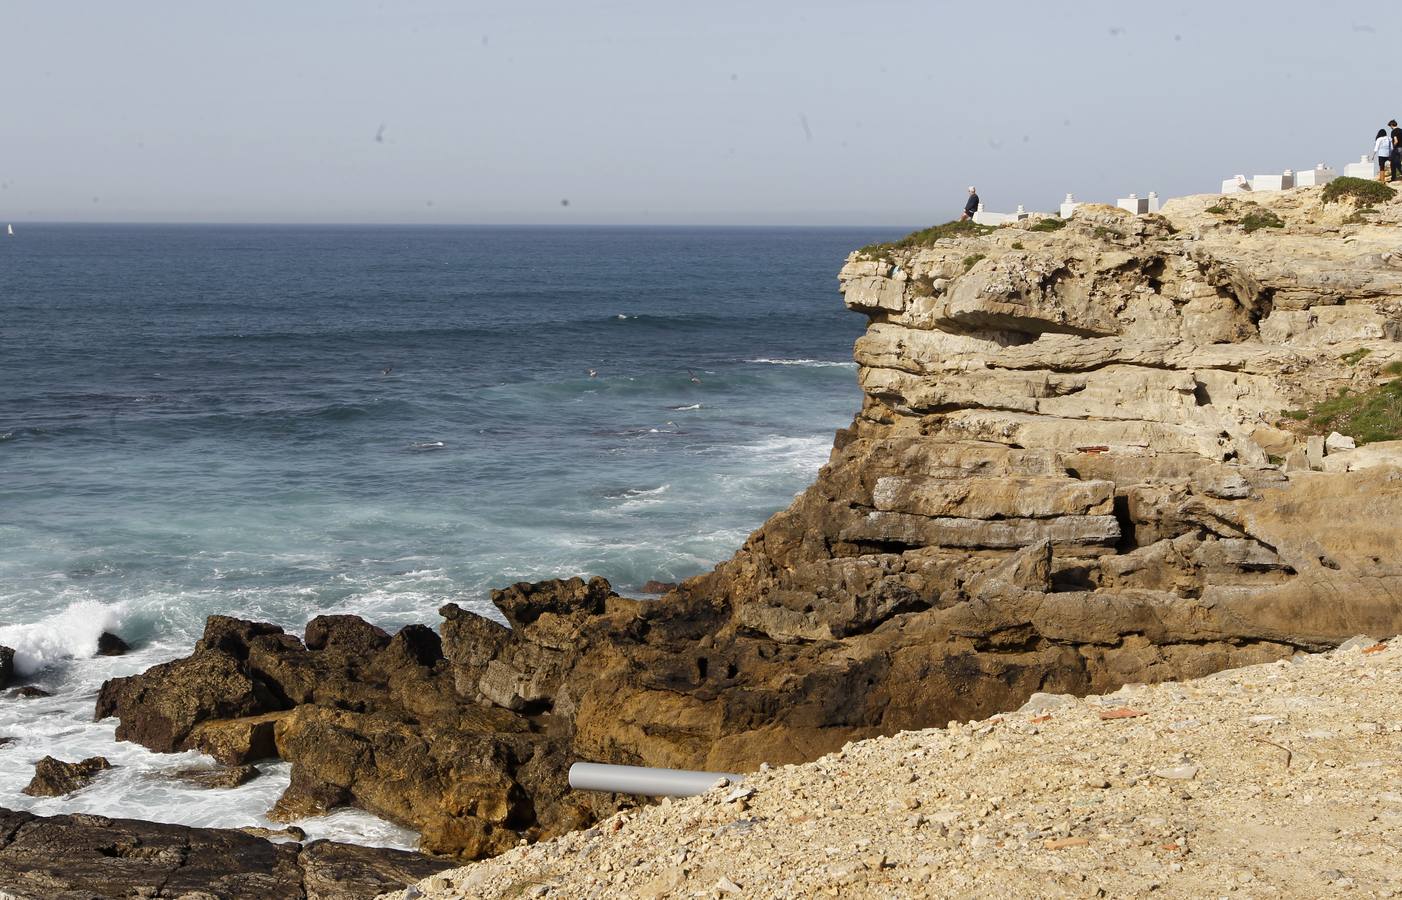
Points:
x=6 y=741
x=54 y=777
x=221 y=777
x=289 y=832
x=86 y=856
x=350 y=634
x=30 y=692
x=7 y=666
x=659 y=587
x=108 y=644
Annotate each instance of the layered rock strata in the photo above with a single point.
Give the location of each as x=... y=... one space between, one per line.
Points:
x=85 y=856
x=1069 y=473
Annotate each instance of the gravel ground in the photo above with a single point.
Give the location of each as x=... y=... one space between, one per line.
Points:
x=1281 y=780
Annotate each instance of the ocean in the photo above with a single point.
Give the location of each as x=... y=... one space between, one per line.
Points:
x=280 y=422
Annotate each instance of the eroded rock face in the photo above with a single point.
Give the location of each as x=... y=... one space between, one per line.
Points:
x=54 y=777
x=7 y=666
x=94 y=856
x=1065 y=476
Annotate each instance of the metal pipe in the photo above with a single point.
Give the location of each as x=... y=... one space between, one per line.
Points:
x=644 y=780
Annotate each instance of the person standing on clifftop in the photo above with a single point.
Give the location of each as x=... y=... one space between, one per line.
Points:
x=1396 y=157
x=971 y=206
x=1382 y=149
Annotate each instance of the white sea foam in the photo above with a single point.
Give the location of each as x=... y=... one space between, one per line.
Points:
x=685 y=408
x=70 y=634
x=807 y=363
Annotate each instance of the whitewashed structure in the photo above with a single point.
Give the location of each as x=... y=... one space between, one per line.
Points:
x=1361 y=169
x=983 y=217
x=1320 y=174
x=1068 y=206
x=1235 y=185
x=1134 y=203
x=1282 y=182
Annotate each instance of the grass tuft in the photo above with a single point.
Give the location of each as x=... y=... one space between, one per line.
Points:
x=1352 y=357
x=971 y=261
x=1048 y=225
x=1256 y=219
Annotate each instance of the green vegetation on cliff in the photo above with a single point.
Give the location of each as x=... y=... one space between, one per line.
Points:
x=925 y=238
x=1358 y=190
x=1366 y=416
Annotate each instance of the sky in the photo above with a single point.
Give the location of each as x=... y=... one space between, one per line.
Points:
x=661 y=112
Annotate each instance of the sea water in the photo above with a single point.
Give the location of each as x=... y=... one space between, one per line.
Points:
x=280 y=422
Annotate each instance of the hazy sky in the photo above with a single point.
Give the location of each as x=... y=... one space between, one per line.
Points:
x=666 y=112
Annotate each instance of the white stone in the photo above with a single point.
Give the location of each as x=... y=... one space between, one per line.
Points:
x=1361 y=169
x=1235 y=185
x=1336 y=442
x=1068 y=206
x=1320 y=174
x=1153 y=202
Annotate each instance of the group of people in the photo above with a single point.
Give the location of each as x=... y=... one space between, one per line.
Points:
x=1387 y=147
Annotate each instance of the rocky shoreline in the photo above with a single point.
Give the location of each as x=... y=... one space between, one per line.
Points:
x=84 y=856
x=1070 y=473
x=1278 y=780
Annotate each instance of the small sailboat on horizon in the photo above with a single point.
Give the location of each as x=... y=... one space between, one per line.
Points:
x=10 y=230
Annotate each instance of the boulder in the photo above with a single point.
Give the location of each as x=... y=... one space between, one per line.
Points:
x=160 y=707
x=108 y=644
x=7 y=666
x=221 y=777
x=54 y=777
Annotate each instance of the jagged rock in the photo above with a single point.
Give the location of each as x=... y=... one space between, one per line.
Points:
x=159 y=707
x=54 y=777
x=222 y=777
x=235 y=742
x=7 y=666
x=94 y=856
x=108 y=644
x=658 y=587
x=30 y=692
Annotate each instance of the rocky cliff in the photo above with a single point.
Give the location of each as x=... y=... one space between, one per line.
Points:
x=1071 y=471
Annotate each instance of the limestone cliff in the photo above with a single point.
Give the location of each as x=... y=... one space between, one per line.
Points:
x=1070 y=472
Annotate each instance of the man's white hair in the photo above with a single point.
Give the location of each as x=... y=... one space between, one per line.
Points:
x=971 y=189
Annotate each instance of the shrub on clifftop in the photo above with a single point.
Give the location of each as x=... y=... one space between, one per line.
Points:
x=1357 y=190
x=925 y=238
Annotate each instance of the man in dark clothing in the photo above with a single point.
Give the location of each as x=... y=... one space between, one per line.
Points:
x=971 y=206
x=1396 y=158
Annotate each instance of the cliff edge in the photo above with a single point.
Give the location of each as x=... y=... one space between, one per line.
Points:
x=1073 y=470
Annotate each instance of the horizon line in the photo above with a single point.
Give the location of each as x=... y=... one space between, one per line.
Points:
x=373 y=224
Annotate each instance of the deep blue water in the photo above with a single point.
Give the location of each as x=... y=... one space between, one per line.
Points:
x=276 y=422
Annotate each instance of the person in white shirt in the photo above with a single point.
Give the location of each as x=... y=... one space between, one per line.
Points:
x=1382 y=149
